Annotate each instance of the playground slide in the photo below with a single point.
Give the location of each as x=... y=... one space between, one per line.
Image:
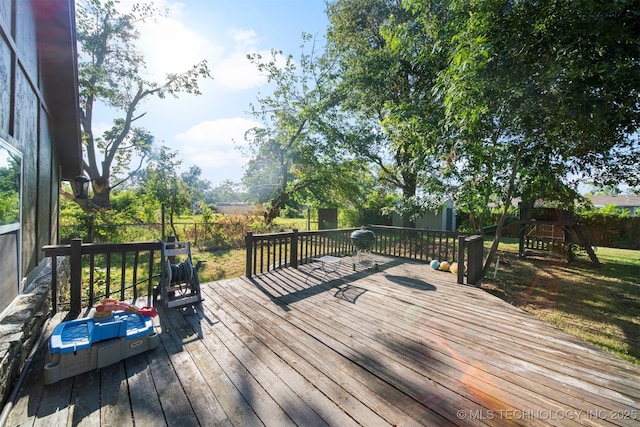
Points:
x=491 y=229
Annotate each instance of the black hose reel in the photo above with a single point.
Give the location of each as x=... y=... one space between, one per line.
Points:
x=179 y=284
x=182 y=273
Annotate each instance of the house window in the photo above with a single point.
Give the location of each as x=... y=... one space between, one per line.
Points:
x=10 y=222
x=10 y=188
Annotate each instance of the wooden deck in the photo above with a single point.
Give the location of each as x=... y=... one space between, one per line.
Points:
x=401 y=346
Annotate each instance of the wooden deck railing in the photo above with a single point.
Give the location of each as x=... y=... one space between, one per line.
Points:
x=266 y=252
x=115 y=270
x=416 y=243
x=127 y=270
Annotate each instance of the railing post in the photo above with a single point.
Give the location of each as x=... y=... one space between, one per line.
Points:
x=76 y=276
x=248 y=241
x=294 y=248
x=150 y=281
x=172 y=258
x=461 y=240
x=475 y=267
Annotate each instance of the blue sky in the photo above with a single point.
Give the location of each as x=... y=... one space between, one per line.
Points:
x=205 y=129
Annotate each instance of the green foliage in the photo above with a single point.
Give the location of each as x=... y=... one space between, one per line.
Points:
x=228 y=191
x=150 y=209
x=74 y=221
x=614 y=210
x=128 y=208
x=414 y=207
x=207 y=214
x=534 y=92
x=389 y=65
x=550 y=78
x=296 y=154
x=348 y=218
x=214 y=238
x=112 y=71
x=227 y=231
x=162 y=183
x=609 y=211
x=290 y=212
x=9 y=207
x=199 y=189
x=612 y=226
x=480 y=101
x=10 y=165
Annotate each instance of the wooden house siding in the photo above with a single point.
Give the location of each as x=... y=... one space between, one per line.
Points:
x=40 y=125
x=444 y=219
x=38 y=117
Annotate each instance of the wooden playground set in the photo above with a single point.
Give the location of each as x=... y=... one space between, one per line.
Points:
x=553 y=231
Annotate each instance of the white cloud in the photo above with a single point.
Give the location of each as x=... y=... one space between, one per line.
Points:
x=213 y=143
x=235 y=72
x=170 y=46
x=173 y=44
x=244 y=39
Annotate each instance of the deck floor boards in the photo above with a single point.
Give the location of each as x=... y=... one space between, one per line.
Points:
x=403 y=345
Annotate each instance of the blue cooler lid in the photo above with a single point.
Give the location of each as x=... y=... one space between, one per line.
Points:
x=71 y=336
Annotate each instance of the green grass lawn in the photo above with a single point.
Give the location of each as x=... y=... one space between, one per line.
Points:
x=230 y=263
x=599 y=305
x=221 y=264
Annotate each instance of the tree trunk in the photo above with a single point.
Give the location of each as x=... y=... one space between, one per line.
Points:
x=276 y=204
x=164 y=224
x=491 y=256
x=173 y=226
x=101 y=194
x=474 y=222
x=408 y=191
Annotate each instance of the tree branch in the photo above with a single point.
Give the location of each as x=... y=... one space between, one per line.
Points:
x=131 y=173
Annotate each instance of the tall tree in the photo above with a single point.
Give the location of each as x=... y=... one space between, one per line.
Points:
x=163 y=184
x=112 y=71
x=296 y=150
x=199 y=189
x=542 y=90
x=388 y=89
x=227 y=191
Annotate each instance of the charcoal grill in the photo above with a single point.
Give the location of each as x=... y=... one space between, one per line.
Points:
x=363 y=241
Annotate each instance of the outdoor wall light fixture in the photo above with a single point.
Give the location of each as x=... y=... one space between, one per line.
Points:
x=80 y=186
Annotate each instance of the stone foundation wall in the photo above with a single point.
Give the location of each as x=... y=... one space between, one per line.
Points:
x=22 y=322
